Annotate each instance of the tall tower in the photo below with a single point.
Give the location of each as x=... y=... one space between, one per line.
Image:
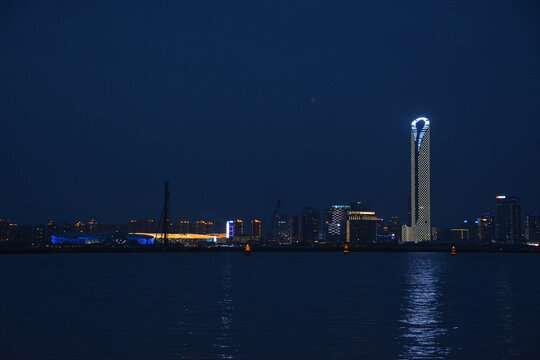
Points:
x=420 y=181
x=507 y=219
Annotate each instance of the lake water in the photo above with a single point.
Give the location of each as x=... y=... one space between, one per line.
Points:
x=270 y=306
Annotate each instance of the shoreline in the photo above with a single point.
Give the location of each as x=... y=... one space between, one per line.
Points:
x=460 y=248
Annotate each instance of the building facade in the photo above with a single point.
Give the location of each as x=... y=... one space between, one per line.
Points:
x=507 y=219
x=486 y=228
x=532 y=227
x=361 y=227
x=238 y=227
x=311 y=224
x=184 y=227
x=420 y=229
x=335 y=223
x=256 y=228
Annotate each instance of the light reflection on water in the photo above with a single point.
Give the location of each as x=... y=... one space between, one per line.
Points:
x=422 y=324
x=225 y=343
x=221 y=305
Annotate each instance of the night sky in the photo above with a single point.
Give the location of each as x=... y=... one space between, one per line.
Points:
x=241 y=103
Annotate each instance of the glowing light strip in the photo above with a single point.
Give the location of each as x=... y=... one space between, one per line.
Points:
x=422 y=132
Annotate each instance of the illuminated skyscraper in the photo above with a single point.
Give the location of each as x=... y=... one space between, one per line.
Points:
x=256 y=228
x=337 y=220
x=532 y=227
x=294 y=228
x=229 y=229
x=311 y=223
x=420 y=229
x=361 y=227
x=507 y=219
x=486 y=228
x=283 y=229
x=238 y=227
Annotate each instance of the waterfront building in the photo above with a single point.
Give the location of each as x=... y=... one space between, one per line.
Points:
x=294 y=229
x=283 y=229
x=256 y=228
x=184 y=227
x=311 y=224
x=114 y=239
x=238 y=227
x=66 y=227
x=229 y=229
x=150 y=226
x=420 y=229
x=472 y=229
x=133 y=226
x=51 y=229
x=486 y=228
x=335 y=223
x=532 y=227
x=38 y=235
x=326 y=220
x=209 y=228
x=200 y=227
x=395 y=228
x=507 y=219
x=4 y=230
x=361 y=227
x=92 y=225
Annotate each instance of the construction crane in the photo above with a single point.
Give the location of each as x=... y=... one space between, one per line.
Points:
x=164 y=219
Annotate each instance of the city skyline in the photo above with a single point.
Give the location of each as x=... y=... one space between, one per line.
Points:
x=92 y=130
x=269 y=179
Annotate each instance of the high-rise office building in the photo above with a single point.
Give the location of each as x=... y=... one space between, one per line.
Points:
x=420 y=229
x=184 y=227
x=256 y=228
x=395 y=228
x=294 y=229
x=311 y=224
x=238 y=227
x=209 y=229
x=229 y=229
x=283 y=229
x=361 y=227
x=200 y=227
x=486 y=228
x=532 y=227
x=507 y=219
x=337 y=219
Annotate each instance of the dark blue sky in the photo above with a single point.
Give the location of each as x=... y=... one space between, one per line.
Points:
x=241 y=103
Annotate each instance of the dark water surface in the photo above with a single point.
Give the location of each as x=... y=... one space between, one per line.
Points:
x=270 y=306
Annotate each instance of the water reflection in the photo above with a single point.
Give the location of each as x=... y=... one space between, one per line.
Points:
x=225 y=341
x=505 y=314
x=421 y=316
